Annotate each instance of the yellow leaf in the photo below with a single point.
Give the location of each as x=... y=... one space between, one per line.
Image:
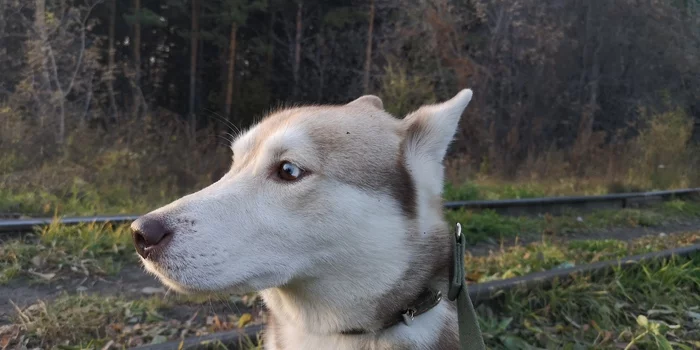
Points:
x=475 y=276
x=245 y=319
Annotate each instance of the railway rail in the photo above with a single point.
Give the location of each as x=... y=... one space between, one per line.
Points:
x=527 y=206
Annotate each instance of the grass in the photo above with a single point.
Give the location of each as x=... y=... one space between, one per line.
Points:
x=520 y=260
x=57 y=250
x=488 y=225
x=76 y=202
x=484 y=188
x=92 y=322
x=83 y=198
x=85 y=322
x=653 y=306
x=491 y=191
x=606 y=314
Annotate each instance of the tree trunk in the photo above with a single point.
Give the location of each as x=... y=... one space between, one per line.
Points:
x=137 y=58
x=231 y=69
x=2 y=22
x=368 y=51
x=110 y=59
x=44 y=89
x=223 y=72
x=321 y=70
x=297 y=50
x=270 y=53
x=194 y=37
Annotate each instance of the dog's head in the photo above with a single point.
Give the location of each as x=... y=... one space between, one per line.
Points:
x=312 y=191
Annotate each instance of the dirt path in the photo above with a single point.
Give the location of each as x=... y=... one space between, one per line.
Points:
x=133 y=282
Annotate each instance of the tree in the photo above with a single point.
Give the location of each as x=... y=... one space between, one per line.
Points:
x=228 y=16
x=137 y=57
x=368 y=55
x=110 y=60
x=194 y=39
x=297 y=48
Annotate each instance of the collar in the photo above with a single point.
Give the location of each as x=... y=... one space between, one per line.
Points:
x=427 y=300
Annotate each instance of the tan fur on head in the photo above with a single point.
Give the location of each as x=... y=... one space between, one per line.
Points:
x=369 y=100
x=345 y=246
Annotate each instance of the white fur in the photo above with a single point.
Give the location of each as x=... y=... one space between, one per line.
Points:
x=420 y=335
x=322 y=251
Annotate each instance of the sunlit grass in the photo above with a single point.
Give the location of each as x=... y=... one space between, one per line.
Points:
x=77 y=202
x=55 y=250
x=652 y=306
x=520 y=260
x=488 y=225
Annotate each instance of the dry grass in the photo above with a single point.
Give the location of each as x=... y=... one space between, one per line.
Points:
x=96 y=322
x=57 y=251
x=138 y=165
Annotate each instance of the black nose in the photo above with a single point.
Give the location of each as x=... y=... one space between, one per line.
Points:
x=150 y=234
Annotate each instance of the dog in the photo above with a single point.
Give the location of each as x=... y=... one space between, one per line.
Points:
x=333 y=213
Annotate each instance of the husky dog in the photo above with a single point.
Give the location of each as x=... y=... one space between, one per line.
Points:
x=334 y=215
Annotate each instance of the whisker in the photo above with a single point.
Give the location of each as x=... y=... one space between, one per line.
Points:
x=231 y=126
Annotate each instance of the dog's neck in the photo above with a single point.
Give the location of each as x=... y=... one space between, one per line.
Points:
x=355 y=299
x=425 y=302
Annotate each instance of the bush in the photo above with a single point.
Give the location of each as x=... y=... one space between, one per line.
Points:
x=402 y=93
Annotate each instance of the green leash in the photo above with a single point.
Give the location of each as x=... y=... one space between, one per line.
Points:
x=470 y=337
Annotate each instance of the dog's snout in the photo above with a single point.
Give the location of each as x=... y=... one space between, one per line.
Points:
x=150 y=234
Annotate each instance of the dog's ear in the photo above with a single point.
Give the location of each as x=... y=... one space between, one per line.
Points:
x=368 y=100
x=431 y=128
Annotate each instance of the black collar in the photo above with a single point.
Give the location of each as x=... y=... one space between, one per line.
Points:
x=427 y=300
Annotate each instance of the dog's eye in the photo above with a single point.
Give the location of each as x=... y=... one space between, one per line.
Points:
x=289 y=171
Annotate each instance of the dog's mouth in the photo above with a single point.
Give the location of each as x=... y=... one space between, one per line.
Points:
x=168 y=275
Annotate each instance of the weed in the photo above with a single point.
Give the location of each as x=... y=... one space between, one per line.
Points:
x=488 y=225
x=519 y=260
x=85 y=249
x=85 y=321
x=622 y=310
x=92 y=321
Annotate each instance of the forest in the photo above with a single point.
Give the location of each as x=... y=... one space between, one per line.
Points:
x=128 y=92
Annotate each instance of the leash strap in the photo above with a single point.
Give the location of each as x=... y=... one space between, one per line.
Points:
x=470 y=337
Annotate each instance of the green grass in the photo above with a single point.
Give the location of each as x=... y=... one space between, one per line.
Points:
x=652 y=306
x=83 y=202
x=477 y=191
x=520 y=260
x=488 y=225
x=483 y=188
x=57 y=250
x=82 y=198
